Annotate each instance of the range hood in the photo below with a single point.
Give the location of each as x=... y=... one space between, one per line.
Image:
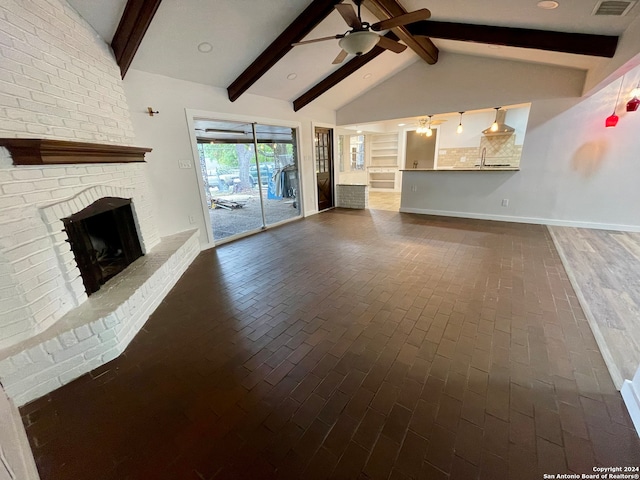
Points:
x=503 y=128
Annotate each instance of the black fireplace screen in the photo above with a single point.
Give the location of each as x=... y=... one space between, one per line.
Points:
x=104 y=240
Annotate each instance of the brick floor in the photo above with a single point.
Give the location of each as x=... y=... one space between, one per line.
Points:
x=353 y=345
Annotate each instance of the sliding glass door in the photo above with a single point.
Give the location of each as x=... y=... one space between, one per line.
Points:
x=251 y=175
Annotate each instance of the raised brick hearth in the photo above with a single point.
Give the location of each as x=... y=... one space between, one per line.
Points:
x=49 y=332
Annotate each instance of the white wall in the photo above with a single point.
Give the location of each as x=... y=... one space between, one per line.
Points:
x=176 y=191
x=574 y=171
x=459 y=83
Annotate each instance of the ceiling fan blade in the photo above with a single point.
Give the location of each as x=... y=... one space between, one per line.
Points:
x=340 y=58
x=389 y=44
x=411 y=17
x=349 y=15
x=322 y=39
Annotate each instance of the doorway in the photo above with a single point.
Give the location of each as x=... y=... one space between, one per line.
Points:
x=250 y=173
x=421 y=150
x=324 y=167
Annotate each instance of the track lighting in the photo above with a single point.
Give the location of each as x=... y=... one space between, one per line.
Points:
x=459 y=129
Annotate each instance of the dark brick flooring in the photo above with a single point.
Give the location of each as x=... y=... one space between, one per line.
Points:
x=353 y=344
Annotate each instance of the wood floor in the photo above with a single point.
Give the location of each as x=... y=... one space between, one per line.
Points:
x=604 y=267
x=354 y=344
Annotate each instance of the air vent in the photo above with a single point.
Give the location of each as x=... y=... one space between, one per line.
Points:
x=613 y=7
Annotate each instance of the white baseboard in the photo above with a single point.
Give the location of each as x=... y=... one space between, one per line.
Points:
x=533 y=220
x=632 y=401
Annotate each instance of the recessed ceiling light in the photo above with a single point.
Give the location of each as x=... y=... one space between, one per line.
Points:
x=292 y=76
x=401 y=124
x=367 y=76
x=358 y=131
x=548 y=4
x=205 y=47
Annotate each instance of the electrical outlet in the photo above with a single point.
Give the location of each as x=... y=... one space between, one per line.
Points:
x=192 y=219
x=505 y=202
x=463 y=159
x=184 y=163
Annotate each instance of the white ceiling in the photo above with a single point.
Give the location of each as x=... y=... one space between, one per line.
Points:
x=102 y=16
x=240 y=30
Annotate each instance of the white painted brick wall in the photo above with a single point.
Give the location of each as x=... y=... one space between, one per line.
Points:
x=39 y=265
x=352 y=196
x=94 y=334
x=58 y=78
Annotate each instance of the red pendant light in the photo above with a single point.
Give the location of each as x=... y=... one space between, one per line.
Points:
x=612 y=120
x=634 y=103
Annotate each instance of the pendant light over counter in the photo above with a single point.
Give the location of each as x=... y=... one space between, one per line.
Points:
x=494 y=126
x=460 y=128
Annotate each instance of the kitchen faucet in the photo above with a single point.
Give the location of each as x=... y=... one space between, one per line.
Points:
x=483 y=156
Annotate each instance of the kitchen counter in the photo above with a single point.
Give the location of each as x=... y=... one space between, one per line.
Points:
x=472 y=169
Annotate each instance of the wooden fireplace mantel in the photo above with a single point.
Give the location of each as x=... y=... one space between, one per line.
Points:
x=35 y=151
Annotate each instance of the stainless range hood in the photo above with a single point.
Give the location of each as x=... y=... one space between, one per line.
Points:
x=503 y=128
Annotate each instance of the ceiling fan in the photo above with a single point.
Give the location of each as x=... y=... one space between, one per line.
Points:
x=363 y=37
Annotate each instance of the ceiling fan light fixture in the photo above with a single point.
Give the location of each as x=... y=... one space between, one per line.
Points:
x=429 y=131
x=359 y=43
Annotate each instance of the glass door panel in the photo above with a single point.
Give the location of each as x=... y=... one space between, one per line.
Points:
x=278 y=172
x=245 y=193
x=228 y=157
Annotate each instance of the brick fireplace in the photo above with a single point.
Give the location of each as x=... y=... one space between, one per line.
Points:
x=50 y=330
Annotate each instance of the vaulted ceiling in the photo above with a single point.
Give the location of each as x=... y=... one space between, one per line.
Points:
x=240 y=30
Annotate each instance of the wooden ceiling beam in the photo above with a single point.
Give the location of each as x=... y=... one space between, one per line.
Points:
x=134 y=23
x=317 y=11
x=422 y=46
x=339 y=75
x=576 y=43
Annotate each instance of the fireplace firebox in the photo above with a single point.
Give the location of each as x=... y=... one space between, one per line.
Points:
x=104 y=240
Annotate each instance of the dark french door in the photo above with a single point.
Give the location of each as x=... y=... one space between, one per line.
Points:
x=324 y=167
